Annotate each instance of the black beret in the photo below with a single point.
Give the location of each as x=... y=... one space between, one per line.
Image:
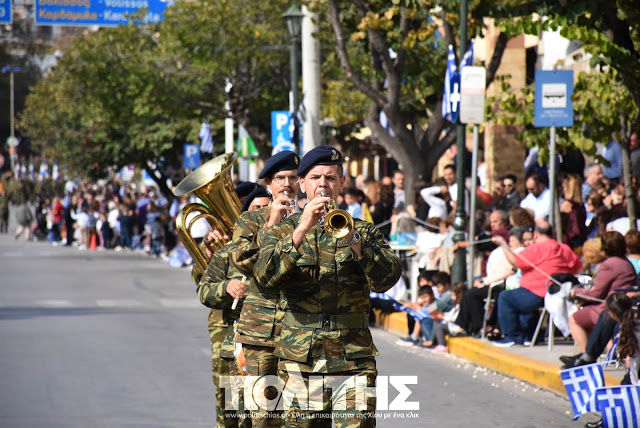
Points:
x=321 y=155
x=245 y=187
x=260 y=192
x=283 y=161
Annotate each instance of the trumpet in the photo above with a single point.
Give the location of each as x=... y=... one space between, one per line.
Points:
x=337 y=223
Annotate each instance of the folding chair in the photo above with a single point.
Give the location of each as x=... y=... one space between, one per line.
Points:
x=487 y=306
x=550 y=330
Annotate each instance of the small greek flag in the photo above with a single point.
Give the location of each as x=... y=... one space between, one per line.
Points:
x=44 y=170
x=620 y=406
x=205 y=136
x=32 y=174
x=451 y=99
x=418 y=316
x=581 y=384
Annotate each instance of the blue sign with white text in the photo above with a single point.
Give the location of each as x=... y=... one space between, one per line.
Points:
x=553 y=105
x=103 y=13
x=280 y=132
x=5 y=12
x=191 y=156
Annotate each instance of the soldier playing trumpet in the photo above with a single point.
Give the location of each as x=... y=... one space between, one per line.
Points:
x=325 y=284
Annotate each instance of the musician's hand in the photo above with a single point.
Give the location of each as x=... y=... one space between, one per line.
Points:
x=279 y=208
x=313 y=212
x=210 y=239
x=236 y=289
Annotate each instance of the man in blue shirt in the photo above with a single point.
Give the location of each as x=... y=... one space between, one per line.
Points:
x=613 y=154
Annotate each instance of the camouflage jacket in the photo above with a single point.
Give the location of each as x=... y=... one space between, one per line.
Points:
x=212 y=288
x=326 y=292
x=261 y=317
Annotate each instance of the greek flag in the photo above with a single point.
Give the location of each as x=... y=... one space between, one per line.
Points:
x=418 y=316
x=451 y=100
x=581 y=384
x=205 y=137
x=32 y=174
x=44 y=170
x=620 y=406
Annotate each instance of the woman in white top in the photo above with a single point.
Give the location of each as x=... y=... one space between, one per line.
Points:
x=437 y=196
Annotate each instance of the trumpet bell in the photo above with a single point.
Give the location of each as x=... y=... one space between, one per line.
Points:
x=338 y=223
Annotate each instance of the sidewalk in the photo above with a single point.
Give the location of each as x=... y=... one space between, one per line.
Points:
x=536 y=365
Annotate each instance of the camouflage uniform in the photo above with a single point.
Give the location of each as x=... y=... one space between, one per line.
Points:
x=326 y=291
x=261 y=318
x=212 y=292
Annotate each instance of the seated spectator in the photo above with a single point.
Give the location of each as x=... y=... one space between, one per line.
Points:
x=518 y=309
x=632 y=241
x=614 y=273
x=592 y=256
x=620 y=308
x=441 y=284
x=430 y=242
x=427 y=304
x=498 y=268
x=521 y=217
x=538 y=198
x=573 y=213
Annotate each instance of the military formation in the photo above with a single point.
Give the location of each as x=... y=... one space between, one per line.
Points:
x=302 y=296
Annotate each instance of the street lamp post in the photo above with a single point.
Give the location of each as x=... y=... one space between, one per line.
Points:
x=12 y=141
x=293 y=16
x=458 y=271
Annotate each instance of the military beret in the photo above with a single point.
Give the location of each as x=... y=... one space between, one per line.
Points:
x=260 y=192
x=245 y=187
x=321 y=155
x=283 y=161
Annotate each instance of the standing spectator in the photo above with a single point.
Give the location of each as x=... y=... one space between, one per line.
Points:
x=518 y=309
x=57 y=214
x=157 y=236
x=4 y=202
x=539 y=197
x=437 y=196
x=380 y=209
x=512 y=197
x=398 y=190
x=572 y=162
x=127 y=221
x=573 y=213
x=614 y=273
x=70 y=207
x=612 y=153
x=82 y=223
x=634 y=147
x=593 y=180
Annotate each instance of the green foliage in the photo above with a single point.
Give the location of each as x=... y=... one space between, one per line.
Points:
x=601 y=103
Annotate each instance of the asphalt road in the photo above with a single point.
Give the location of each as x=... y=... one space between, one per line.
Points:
x=108 y=339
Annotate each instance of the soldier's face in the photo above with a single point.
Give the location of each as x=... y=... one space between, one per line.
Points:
x=284 y=180
x=323 y=178
x=258 y=203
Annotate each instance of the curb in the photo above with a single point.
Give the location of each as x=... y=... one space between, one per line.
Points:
x=540 y=373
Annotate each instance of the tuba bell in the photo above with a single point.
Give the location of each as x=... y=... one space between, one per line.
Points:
x=337 y=223
x=212 y=183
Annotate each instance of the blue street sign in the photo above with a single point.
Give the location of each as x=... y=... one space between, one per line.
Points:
x=103 y=13
x=191 y=156
x=553 y=105
x=5 y=12
x=280 y=134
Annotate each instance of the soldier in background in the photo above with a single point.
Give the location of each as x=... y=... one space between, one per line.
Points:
x=325 y=285
x=260 y=321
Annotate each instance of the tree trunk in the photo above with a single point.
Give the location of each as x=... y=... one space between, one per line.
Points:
x=628 y=188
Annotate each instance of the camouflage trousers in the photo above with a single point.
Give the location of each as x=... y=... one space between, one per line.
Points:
x=353 y=409
x=222 y=367
x=261 y=361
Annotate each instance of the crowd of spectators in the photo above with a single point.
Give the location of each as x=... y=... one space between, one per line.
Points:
x=517 y=252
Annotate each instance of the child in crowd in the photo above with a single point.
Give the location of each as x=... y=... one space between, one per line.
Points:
x=445 y=322
x=353 y=206
x=157 y=236
x=620 y=308
x=442 y=284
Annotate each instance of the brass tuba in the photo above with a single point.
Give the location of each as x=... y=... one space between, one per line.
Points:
x=337 y=223
x=212 y=183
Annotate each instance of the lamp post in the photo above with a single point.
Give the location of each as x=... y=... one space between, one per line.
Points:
x=12 y=141
x=458 y=271
x=293 y=17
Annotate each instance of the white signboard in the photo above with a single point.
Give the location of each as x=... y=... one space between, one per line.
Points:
x=554 y=95
x=472 y=89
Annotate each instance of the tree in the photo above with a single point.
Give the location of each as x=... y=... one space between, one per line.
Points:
x=404 y=75
x=134 y=94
